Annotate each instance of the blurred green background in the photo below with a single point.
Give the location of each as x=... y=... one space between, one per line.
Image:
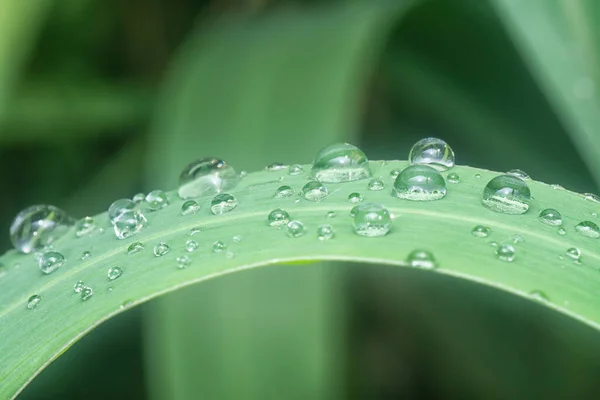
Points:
x=103 y=99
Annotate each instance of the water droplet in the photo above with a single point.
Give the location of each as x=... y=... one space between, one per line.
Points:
x=562 y=231
x=505 y=252
x=494 y=244
x=206 y=176
x=223 y=203
x=190 y=207
x=372 y=220
x=283 y=192
x=161 y=249
x=36 y=226
x=191 y=245
x=295 y=229
x=278 y=218
x=51 y=261
x=194 y=231
x=84 y=226
x=157 y=200
x=34 y=301
x=518 y=173
x=325 y=232
x=340 y=162
x=419 y=183
x=183 y=261
x=78 y=286
x=507 y=194
x=538 y=295
x=395 y=172
x=433 y=152
x=331 y=214
x=139 y=198
x=237 y=239
x=516 y=239
x=375 y=184
x=588 y=229
x=135 y=247
x=314 y=191
x=129 y=223
x=353 y=211
x=591 y=197
x=114 y=273
x=421 y=259
x=118 y=207
x=481 y=231
x=477 y=176
x=275 y=167
x=453 y=177
x=296 y=169
x=550 y=216
x=85 y=255
x=86 y=293
x=218 y=246
x=355 y=197
x=573 y=253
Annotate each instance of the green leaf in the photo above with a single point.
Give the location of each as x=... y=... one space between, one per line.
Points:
x=33 y=338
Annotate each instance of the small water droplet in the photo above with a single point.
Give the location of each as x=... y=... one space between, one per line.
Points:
x=516 y=239
x=419 y=183
x=191 y=245
x=37 y=226
x=395 y=172
x=129 y=223
x=206 y=176
x=139 y=198
x=283 y=192
x=190 y=207
x=375 y=184
x=84 y=226
x=477 y=176
x=243 y=174
x=78 y=286
x=453 y=177
x=355 y=197
x=295 y=229
x=296 y=169
x=591 y=197
x=371 y=220
x=538 y=295
x=51 y=261
x=85 y=255
x=237 y=239
x=433 y=152
x=278 y=218
x=183 y=261
x=518 y=173
x=494 y=244
x=114 y=273
x=507 y=194
x=86 y=293
x=421 y=259
x=574 y=253
x=325 y=232
x=157 y=200
x=481 y=231
x=194 y=231
x=314 y=191
x=135 y=247
x=218 y=246
x=550 y=216
x=161 y=249
x=505 y=252
x=340 y=162
x=562 y=231
x=331 y=214
x=223 y=203
x=275 y=167
x=34 y=301
x=588 y=229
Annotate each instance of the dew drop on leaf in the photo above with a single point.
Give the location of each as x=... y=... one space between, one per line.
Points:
x=562 y=231
x=283 y=192
x=190 y=207
x=421 y=259
x=85 y=255
x=419 y=183
x=237 y=239
x=573 y=253
x=191 y=245
x=114 y=273
x=330 y=214
x=78 y=286
x=194 y=231
x=372 y=220
x=355 y=197
x=223 y=203
x=375 y=185
x=118 y=207
x=481 y=231
x=516 y=239
x=135 y=247
x=505 y=252
x=296 y=169
x=314 y=191
x=395 y=172
x=278 y=218
x=51 y=261
x=550 y=216
x=183 y=261
x=340 y=162
x=588 y=229
x=477 y=176
x=84 y=226
x=34 y=301
x=275 y=167
x=139 y=198
x=206 y=176
x=129 y=223
x=453 y=177
x=433 y=152
x=37 y=226
x=86 y=293
x=353 y=211
x=295 y=229
x=157 y=200
x=218 y=246
x=325 y=232
x=518 y=173
x=506 y=194
x=161 y=249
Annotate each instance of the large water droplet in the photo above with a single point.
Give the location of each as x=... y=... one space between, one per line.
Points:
x=355 y=197
x=375 y=184
x=118 y=207
x=453 y=177
x=340 y=162
x=550 y=216
x=34 y=301
x=421 y=259
x=518 y=173
x=325 y=232
x=573 y=253
x=86 y=293
x=191 y=245
x=296 y=169
x=419 y=183
x=206 y=176
x=37 y=226
x=588 y=229
x=51 y=261
x=295 y=229
x=481 y=231
x=223 y=203
x=78 y=286
x=190 y=207
x=138 y=198
x=161 y=249
x=314 y=191
x=507 y=194
x=114 y=273
x=183 y=261
x=372 y=220
x=84 y=226
x=283 y=192
x=278 y=218
x=505 y=252
x=157 y=200
x=129 y=223
x=218 y=246
x=135 y=247
x=433 y=152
